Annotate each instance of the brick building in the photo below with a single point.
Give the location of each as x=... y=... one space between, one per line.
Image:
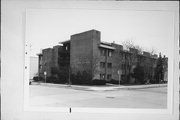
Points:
x=104 y=61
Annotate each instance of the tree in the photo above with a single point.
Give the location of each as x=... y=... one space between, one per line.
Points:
x=152 y=51
x=159 y=74
x=136 y=57
x=131 y=58
x=60 y=75
x=138 y=74
x=130 y=44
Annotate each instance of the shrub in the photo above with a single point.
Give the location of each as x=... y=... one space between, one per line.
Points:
x=86 y=78
x=124 y=79
x=73 y=78
x=76 y=78
x=112 y=81
x=98 y=82
x=138 y=74
x=152 y=81
x=81 y=78
x=52 y=79
x=62 y=78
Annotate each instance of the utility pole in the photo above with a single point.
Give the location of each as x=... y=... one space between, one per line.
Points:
x=119 y=73
x=45 y=73
x=69 y=76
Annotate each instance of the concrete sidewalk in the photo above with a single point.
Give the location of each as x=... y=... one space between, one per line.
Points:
x=100 y=88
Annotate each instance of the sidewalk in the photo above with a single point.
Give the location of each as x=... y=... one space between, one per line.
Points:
x=100 y=88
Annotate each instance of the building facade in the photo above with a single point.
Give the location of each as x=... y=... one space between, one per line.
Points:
x=103 y=61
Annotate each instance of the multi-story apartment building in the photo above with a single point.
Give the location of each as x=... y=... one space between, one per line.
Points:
x=54 y=60
x=104 y=61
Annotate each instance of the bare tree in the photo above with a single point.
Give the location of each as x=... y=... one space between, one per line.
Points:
x=130 y=44
x=152 y=51
x=131 y=58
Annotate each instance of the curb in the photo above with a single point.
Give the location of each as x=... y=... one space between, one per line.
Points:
x=100 y=88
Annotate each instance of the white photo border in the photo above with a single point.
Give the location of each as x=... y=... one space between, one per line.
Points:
x=172 y=73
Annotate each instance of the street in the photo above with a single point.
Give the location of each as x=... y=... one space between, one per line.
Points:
x=121 y=98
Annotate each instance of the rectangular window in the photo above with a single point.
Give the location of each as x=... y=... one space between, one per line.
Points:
x=66 y=47
x=40 y=67
x=124 y=66
x=102 y=76
x=102 y=64
x=103 y=52
x=109 y=65
x=109 y=53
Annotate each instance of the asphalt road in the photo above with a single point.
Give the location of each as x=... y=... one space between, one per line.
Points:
x=122 y=98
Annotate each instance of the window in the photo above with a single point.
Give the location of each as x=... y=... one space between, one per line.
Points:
x=122 y=66
x=102 y=76
x=124 y=57
x=66 y=47
x=109 y=65
x=109 y=53
x=102 y=64
x=40 y=67
x=109 y=76
x=103 y=52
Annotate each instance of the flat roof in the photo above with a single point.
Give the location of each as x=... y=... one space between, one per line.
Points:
x=66 y=41
x=107 y=47
x=106 y=43
x=85 y=32
x=39 y=54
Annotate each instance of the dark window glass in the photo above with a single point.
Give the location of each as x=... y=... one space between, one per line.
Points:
x=103 y=52
x=102 y=76
x=109 y=65
x=109 y=53
x=102 y=64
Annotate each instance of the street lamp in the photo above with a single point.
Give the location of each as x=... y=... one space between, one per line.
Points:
x=69 y=76
x=119 y=73
x=45 y=73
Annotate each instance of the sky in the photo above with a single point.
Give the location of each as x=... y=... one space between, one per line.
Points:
x=149 y=29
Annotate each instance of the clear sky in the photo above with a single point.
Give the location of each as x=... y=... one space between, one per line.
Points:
x=149 y=29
